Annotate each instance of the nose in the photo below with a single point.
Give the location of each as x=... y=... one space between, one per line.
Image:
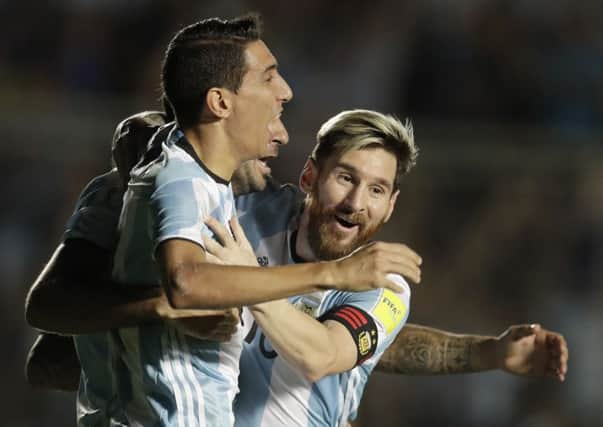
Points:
x=285 y=92
x=282 y=136
x=356 y=198
x=279 y=132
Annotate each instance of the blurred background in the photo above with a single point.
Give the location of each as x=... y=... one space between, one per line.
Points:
x=505 y=206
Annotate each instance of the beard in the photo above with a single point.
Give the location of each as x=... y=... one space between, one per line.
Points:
x=326 y=243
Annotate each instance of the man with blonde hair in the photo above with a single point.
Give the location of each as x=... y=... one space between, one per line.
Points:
x=306 y=360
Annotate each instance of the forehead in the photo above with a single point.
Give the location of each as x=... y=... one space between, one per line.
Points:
x=258 y=57
x=374 y=164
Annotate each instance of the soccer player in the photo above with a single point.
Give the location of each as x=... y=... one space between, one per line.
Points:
x=76 y=285
x=307 y=360
x=223 y=85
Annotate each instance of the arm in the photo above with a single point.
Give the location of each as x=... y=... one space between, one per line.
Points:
x=52 y=363
x=73 y=290
x=73 y=295
x=520 y=350
x=315 y=349
x=190 y=281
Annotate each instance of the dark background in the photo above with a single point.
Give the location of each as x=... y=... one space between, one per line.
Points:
x=505 y=205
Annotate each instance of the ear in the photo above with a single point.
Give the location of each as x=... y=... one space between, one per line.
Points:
x=308 y=175
x=219 y=102
x=392 y=203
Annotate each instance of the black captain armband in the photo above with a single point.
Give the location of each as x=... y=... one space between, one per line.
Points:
x=361 y=326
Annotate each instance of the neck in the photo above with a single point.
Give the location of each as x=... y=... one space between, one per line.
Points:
x=302 y=244
x=213 y=148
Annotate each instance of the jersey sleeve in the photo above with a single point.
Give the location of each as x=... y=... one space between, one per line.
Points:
x=96 y=213
x=373 y=318
x=179 y=209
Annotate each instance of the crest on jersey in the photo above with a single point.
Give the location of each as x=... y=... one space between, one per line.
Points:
x=366 y=341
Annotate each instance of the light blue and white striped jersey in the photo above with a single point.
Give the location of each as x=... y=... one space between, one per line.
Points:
x=272 y=392
x=95 y=219
x=173 y=379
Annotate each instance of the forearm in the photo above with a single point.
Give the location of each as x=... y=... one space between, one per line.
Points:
x=73 y=294
x=302 y=341
x=419 y=350
x=52 y=363
x=212 y=286
x=89 y=308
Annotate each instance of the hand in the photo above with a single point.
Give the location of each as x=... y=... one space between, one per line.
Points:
x=232 y=249
x=531 y=350
x=219 y=327
x=367 y=268
x=212 y=325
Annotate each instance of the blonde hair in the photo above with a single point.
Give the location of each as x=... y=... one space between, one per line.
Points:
x=360 y=129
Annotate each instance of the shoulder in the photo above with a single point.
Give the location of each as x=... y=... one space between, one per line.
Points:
x=103 y=190
x=97 y=211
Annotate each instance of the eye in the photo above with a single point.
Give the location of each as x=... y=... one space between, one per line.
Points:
x=344 y=177
x=377 y=191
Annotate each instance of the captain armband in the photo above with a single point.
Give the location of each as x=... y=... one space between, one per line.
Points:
x=360 y=325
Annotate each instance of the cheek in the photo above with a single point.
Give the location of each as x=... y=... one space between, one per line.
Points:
x=378 y=210
x=332 y=194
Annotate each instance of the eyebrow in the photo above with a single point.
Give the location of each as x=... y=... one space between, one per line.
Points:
x=271 y=67
x=350 y=168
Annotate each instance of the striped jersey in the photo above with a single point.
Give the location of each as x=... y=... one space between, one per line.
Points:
x=95 y=219
x=171 y=379
x=272 y=392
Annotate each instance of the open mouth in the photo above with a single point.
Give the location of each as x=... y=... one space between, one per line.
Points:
x=345 y=223
x=263 y=164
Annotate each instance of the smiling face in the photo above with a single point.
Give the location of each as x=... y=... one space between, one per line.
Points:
x=257 y=103
x=350 y=198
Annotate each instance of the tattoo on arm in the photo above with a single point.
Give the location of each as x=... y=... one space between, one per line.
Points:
x=419 y=350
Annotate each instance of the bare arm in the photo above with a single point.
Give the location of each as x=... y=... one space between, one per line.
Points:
x=192 y=282
x=315 y=349
x=73 y=295
x=419 y=350
x=52 y=363
x=520 y=350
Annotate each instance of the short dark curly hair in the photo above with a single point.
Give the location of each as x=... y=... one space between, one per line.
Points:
x=206 y=54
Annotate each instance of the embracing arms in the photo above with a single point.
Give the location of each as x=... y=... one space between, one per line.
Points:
x=528 y=350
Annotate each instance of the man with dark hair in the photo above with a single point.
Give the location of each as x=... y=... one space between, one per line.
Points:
x=223 y=85
x=206 y=54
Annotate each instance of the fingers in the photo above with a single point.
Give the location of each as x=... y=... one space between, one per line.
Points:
x=388 y=283
x=558 y=353
x=221 y=233
x=520 y=331
x=400 y=250
x=401 y=265
x=213 y=258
